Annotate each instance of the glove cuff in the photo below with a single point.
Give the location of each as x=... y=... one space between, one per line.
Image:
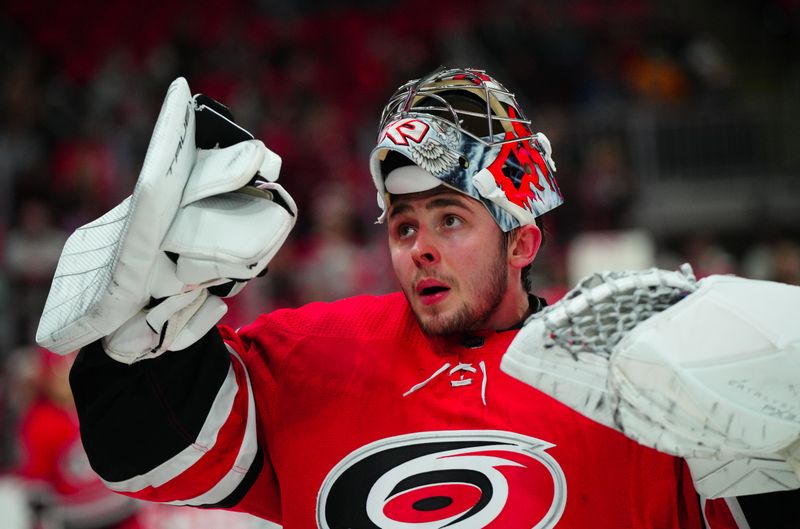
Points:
x=172 y=325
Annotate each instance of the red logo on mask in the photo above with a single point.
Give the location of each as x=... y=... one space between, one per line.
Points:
x=474 y=76
x=519 y=169
x=403 y=130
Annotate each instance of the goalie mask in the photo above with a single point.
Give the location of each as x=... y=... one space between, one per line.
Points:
x=462 y=129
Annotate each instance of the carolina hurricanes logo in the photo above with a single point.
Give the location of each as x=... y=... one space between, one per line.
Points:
x=454 y=479
x=403 y=130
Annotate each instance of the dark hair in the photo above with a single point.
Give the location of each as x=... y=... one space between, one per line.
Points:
x=526 y=272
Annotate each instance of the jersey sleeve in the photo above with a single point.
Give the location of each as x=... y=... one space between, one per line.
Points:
x=181 y=428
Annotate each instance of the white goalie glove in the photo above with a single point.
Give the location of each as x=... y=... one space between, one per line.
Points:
x=706 y=370
x=205 y=217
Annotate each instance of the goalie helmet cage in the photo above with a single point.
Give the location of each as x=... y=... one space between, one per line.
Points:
x=466 y=129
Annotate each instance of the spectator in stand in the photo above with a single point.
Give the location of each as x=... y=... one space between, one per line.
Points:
x=607 y=191
x=776 y=260
x=62 y=489
x=333 y=261
x=32 y=251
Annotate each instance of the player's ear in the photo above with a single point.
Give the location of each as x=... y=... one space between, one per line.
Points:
x=524 y=245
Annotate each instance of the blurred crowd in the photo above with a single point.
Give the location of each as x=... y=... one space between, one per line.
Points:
x=81 y=85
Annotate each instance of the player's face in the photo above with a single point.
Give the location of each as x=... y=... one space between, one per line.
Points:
x=449 y=257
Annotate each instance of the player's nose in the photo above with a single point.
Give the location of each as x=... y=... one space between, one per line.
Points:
x=424 y=251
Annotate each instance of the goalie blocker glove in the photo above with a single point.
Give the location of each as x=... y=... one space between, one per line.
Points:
x=206 y=216
x=704 y=370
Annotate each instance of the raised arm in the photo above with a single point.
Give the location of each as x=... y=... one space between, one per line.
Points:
x=166 y=406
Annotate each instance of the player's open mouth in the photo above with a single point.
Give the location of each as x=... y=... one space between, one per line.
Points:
x=431 y=291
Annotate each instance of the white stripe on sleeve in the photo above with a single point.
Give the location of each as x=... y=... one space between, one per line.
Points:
x=173 y=467
x=245 y=457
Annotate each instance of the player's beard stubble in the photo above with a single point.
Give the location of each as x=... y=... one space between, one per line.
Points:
x=482 y=291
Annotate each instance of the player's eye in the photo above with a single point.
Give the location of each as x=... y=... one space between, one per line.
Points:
x=405 y=230
x=452 y=221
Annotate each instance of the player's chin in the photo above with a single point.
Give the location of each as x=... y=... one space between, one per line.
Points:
x=436 y=321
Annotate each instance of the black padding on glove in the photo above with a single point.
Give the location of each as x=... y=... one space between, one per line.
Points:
x=215 y=125
x=223 y=290
x=257 y=180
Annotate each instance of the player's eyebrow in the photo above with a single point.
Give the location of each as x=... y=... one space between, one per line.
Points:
x=444 y=202
x=436 y=203
x=398 y=209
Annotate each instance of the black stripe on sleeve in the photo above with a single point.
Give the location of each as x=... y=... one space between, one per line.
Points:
x=135 y=417
x=239 y=492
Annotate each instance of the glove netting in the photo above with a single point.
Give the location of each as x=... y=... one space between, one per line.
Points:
x=597 y=317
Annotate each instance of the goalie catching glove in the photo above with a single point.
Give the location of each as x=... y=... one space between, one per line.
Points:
x=205 y=217
x=706 y=370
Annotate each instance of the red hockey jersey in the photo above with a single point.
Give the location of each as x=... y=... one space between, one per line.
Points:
x=345 y=415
